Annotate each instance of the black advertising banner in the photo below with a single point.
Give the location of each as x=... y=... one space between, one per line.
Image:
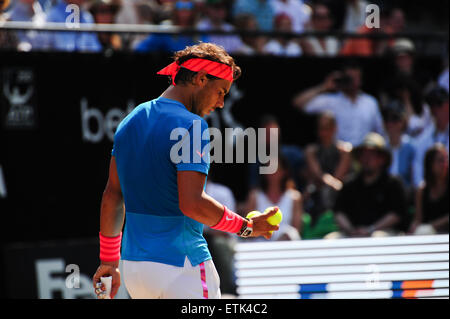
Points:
x=18 y=98
x=53 y=270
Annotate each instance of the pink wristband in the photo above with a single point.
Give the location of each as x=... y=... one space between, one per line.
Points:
x=230 y=222
x=110 y=247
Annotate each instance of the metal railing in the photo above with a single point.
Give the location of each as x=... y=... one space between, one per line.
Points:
x=169 y=29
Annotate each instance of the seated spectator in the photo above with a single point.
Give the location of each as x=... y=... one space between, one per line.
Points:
x=28 y=11
x=262 y=10
x=299 y=12
x=276 y=190
x=292 y=153
x=251 y=45
x=406 y=85
x=8 y=40
x=137 y=12
x=105 y=11
x=321 y=21
x=373 y=203
x=356 y=112
x=328 y=164
x=391 y=22
x=221 y=243
x=216 y=13
x=184 y=15
x=432 y=210
x=400 y=145
x=282 y=46
x=443 y=77
x=72 y=41
x=438 y=131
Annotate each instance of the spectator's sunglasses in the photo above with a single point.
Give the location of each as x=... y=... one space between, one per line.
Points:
x=184 y=5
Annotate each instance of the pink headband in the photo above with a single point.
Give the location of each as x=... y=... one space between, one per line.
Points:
x=216 y=69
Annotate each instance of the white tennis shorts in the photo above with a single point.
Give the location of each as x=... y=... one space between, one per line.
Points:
x=152 y=280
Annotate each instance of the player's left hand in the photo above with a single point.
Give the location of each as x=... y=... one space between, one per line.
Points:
x=104 y=270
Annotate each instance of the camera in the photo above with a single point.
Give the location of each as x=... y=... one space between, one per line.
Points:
x=343 y=81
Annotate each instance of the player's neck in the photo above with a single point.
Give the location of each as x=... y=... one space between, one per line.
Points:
x=180 y=94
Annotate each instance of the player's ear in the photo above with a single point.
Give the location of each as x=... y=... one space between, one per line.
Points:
x=200 y=78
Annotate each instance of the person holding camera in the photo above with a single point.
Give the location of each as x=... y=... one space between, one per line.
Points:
x=357 y=113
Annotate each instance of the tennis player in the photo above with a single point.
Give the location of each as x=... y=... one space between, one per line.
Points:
x=163 y=199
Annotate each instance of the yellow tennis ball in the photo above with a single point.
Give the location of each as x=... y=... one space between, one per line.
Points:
x=274 y=219
x=253 y=214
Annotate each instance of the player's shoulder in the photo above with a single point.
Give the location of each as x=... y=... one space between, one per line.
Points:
x=176 y=114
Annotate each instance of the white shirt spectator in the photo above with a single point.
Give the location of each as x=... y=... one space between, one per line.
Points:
x=222 y=194
x=355 y=15
x=296 y=10
x=355 y=119
x=330 y=47
x=274 y=47
x=427 y=139
x=418 y=123
x=231 y=43
x=443 y=79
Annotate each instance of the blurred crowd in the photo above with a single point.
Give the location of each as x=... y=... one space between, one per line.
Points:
x=288 y=16
x=379 y=165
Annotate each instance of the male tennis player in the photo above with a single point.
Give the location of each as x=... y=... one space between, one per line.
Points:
x=163 y=250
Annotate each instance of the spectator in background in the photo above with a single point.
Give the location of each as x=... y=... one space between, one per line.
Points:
x=262 y=10
x=28 y=11
x=443 y=77
x=251 y=45
x=355 y=15
x=105 y=11
x=299 y=12
x=283 y=46
x=72 y=41
x=356 y=112
x=8 y=40
x=292 y=153
x=399 y=143
x=432 y=199
x=277 y=189
x=391 y=22
x=184 y=15
x=221 y=243
x=373 y=203
x=407 y=85
x=328 y=164
x=438 y=132
x=216 y=13
x=137 y=12
x=321 y=21
x=3 y=5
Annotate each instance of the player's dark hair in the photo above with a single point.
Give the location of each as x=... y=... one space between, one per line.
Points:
x=208 y=51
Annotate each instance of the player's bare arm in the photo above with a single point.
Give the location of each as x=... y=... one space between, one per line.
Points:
x=111 y=222
x=198 y=205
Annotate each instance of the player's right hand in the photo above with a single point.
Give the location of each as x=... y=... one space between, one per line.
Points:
x=260 y=225
x=107 y=269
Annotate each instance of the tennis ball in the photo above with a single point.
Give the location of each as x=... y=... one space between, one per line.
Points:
x=253 y=214
x=274 y=219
